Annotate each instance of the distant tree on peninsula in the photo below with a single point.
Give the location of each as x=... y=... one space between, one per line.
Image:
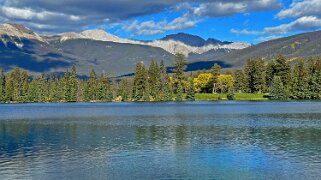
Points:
x=179 y=77
x=140 y=86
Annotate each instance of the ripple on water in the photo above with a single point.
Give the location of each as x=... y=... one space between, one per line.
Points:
x=238 y=140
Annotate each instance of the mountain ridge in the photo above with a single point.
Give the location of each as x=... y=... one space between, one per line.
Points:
x=104 y=52
x=170 y=45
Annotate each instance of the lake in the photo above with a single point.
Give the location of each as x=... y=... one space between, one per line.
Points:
x=189 y=140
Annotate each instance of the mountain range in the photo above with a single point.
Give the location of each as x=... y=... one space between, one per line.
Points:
x=104 y=52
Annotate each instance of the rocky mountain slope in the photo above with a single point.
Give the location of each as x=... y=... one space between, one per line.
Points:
x=93 y=49
x=301 y=45
x=96 y=49
x=177 y=43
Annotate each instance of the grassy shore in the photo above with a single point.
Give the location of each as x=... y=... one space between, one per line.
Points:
x=238 y=96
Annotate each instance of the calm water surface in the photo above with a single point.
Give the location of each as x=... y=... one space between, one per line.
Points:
x=199 y=140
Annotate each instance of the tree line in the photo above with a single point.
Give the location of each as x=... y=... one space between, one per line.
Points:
x=280 y=79
x=148 y=84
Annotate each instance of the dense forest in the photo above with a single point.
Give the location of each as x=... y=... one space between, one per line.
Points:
x=280 y=79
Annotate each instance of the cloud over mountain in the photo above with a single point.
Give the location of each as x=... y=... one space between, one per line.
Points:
x=62 y=15
x=306 y=14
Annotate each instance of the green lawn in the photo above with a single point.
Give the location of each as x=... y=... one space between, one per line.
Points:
x=238 y=96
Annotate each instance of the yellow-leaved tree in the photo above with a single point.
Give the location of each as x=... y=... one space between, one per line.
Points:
x=202 y=82
x=224 y=82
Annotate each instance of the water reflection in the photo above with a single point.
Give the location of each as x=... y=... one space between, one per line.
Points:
x=200 y=144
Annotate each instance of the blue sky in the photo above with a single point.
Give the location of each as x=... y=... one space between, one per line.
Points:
x=251 y=21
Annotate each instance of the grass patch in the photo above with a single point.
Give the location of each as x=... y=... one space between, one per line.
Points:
x=238 y=96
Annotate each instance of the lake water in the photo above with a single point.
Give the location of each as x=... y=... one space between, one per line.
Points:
x=192 y=140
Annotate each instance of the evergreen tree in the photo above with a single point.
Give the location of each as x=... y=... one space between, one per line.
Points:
x=33 y=91
x=190 y=90
x=154 y=80
x=140 y=87
x=2 y=85
x=164 y=85
x=92 y=86
x=277 y=90
x=25 y=86
x=179 y=77
x=239 y=84
x=283 y=69
x=66 y=87
x=255 y=75
x=215 y=71
x=9 y=87
x=299 y=82
x=314 y=79
x=103 y=88
x=73 y=85
x=124 y=90
x=42 y=88
x=167 y=89
x=270 y=73
x=54 y=89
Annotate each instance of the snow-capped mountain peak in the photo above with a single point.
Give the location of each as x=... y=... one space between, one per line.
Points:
x=176 y=43
x=99 y=35
x=18 y=31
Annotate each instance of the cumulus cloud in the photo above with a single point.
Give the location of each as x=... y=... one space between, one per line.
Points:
x=76 y=15
x=246 y=32
x=152 y=27
x=267 y=38
x=227 y=8
x=303 y=23
x=307 y=14
x=301 y=8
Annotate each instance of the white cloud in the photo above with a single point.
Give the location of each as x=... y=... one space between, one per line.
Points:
x=29 y=14
x=75 y=15
x=152 y=27
x=267 y=38
x=303 y=23
x=301 y=8
x=246 y=32
x=227 y=8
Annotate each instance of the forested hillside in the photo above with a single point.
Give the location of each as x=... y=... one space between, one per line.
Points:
x=276 y=78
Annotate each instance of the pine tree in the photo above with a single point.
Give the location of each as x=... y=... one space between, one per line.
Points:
x=277 y=90
x=163 y=81
x=53 y=88
x=190 y=90
x=42 y=88
x=124 y=90
x=66 y=87
x=92 y=86
x=215 y=71
x=154 y=81
x=33 y=91
x=179 y=77
x=9 y=88
x=167 y=89
x=102 y=88
x=239 y=84
x=299 y=82
x=73 y=85
x=255 y=75
x=270 y=73
x=140 y=87
x=2 y=85
x=283 y=69
x=25 y=86
x=314 y=80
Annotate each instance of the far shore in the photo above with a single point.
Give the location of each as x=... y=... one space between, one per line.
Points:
x=198 y=97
